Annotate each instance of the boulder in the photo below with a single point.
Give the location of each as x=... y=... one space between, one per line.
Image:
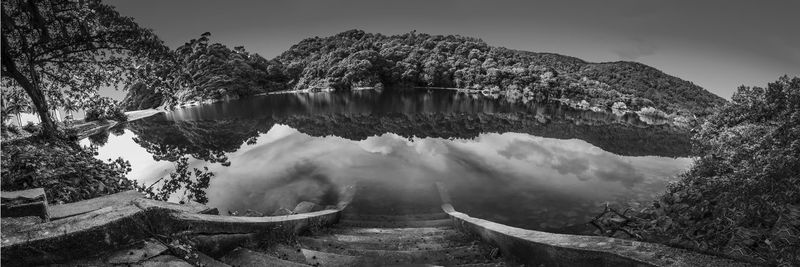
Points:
x=253 y=213
x=306 y=206
x=282 y=212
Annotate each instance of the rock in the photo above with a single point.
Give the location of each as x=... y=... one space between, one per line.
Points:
x=282 y=211
x=253 y=213
x=306 y=206
x=148 y=249
x=203 y=209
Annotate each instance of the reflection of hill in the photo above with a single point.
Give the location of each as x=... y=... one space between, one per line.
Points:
x=209 y=140
x=618 y=138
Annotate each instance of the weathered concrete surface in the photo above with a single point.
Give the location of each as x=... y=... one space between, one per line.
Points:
x=147 y=249
x=87 y=231
x=23 y=203
x=85 y=206
x=537 y=248
x=218 y=245
x=189 y=223
x=78 y=236
x=163 y=261
x=246 y=257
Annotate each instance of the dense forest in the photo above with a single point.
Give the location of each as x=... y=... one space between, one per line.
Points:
x=354 y=59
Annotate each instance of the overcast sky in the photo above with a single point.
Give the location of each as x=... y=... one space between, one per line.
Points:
x=717 y=44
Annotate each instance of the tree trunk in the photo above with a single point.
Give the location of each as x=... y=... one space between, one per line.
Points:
x=37 y=97
x=49 y=129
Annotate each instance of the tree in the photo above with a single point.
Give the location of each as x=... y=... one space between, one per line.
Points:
x=14 y=101
x=53 y=47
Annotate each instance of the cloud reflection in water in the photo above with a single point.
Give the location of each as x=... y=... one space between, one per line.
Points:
x=560 y=181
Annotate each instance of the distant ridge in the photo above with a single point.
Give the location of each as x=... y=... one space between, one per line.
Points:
x=354 y=59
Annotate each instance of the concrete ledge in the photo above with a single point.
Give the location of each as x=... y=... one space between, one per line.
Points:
x=89 y=205
x=32 y=202
x=189 y=223
x=536 y=248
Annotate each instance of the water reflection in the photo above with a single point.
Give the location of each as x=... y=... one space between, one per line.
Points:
x=537 y=166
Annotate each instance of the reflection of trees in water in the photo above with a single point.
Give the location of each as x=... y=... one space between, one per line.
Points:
x=618 y=138
x=194 y=182
x=177 y=141
x=101 y=138
x=209 y=141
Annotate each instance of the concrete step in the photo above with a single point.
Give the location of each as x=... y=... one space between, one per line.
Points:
x=448 y=256
x=410 y=244
x=319 y=258
x=388 y=233
x=396 y=224
x=395 y=217
x=245 y=257
x=380 y=239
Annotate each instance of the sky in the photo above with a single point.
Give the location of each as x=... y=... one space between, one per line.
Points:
x=717 y=44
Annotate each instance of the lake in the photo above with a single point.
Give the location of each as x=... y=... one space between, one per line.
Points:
x=541 y=166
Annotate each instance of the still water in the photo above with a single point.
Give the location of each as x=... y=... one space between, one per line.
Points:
x=531 y=165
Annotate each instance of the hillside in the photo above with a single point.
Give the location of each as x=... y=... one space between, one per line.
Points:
x=357 y=59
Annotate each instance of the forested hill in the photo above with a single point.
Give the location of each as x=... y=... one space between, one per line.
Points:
x=357 y=59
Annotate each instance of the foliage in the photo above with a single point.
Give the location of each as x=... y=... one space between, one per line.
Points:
x=61 y=51
x=200 y=70
x=98 y=139
x=9 y=131
x=66 y=171
x=652 y=112
x=741 y=196
x=194 y=182
x=14 y=101
x=354 y=58
x=214 y=71
x=140 y=96
x=31 y=128
x=104 y=108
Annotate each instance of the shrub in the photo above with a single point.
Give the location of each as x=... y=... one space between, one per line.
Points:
x=740 y=197
x=652 y=112
x=31 y=128
x=103 y=109
x=66 y=171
